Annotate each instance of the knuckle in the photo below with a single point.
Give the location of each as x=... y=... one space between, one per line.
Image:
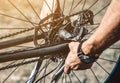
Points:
x=75 y=67
x=70 y=44
x=67 y=65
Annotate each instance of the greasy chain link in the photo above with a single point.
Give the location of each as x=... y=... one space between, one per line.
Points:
x=43 y=24
x=16 y=33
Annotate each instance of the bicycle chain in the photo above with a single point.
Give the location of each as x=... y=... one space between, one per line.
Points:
x=18 y=64
x=20 y=50
x=16 y=33
x=44 y=24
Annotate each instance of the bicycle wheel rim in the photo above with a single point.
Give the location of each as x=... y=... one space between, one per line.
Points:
x=64 y=7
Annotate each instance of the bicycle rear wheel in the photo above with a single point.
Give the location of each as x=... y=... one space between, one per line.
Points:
x=26 y=15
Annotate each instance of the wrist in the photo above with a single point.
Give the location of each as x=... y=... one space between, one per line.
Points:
x=87 y=47
x=90 y=47
x=86 y=56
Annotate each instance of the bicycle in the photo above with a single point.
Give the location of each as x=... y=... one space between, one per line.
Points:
x=51 y=40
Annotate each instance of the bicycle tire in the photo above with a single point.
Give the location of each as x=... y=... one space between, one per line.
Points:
x=75 y=6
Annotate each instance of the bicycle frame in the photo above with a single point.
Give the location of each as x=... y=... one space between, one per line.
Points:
x=38 y=52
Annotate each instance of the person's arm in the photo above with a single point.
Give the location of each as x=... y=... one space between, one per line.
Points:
x=109 y=23
x=98 y=40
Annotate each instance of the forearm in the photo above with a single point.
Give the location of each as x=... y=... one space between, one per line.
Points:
x=108 y=25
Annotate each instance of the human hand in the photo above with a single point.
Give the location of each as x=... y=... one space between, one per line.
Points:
x=72 y=61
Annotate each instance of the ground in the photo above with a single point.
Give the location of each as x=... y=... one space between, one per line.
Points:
x=23 y=72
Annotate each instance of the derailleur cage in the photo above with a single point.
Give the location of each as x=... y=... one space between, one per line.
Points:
x=79 y=30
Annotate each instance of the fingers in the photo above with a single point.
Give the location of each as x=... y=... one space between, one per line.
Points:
x=82 y=66
x=67 y=69
x=72 y=58
x=72 y=61
x=75 y=67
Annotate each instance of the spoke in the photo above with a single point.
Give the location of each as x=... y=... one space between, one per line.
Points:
x=11 y=73
x=12 y=28
x=94 y=75
x=93 y=4
x=11 y=63
x=44 y=73
x=102 y=9
x=96 y=24
x=65 y=78
x=57 y=25
x=47 y=74
x=18 y=64
x=48 y=6
x=83 y=4
x=114 y=48
x=93 y=24
x=92 y=30
x=71 y=7
x=62 y=78
x=69 y=78
x=17 y=18
x=76 y=77
x=53 y=6
x=38 y=72
x=76 y=5
x=20 y=12
x=108 y=60
x=45 y=66
x=64 y=2
x=103 y=68
x=33 y=9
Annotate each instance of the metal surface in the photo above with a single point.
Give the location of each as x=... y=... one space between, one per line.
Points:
x=33 y=53
x=17 y=41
